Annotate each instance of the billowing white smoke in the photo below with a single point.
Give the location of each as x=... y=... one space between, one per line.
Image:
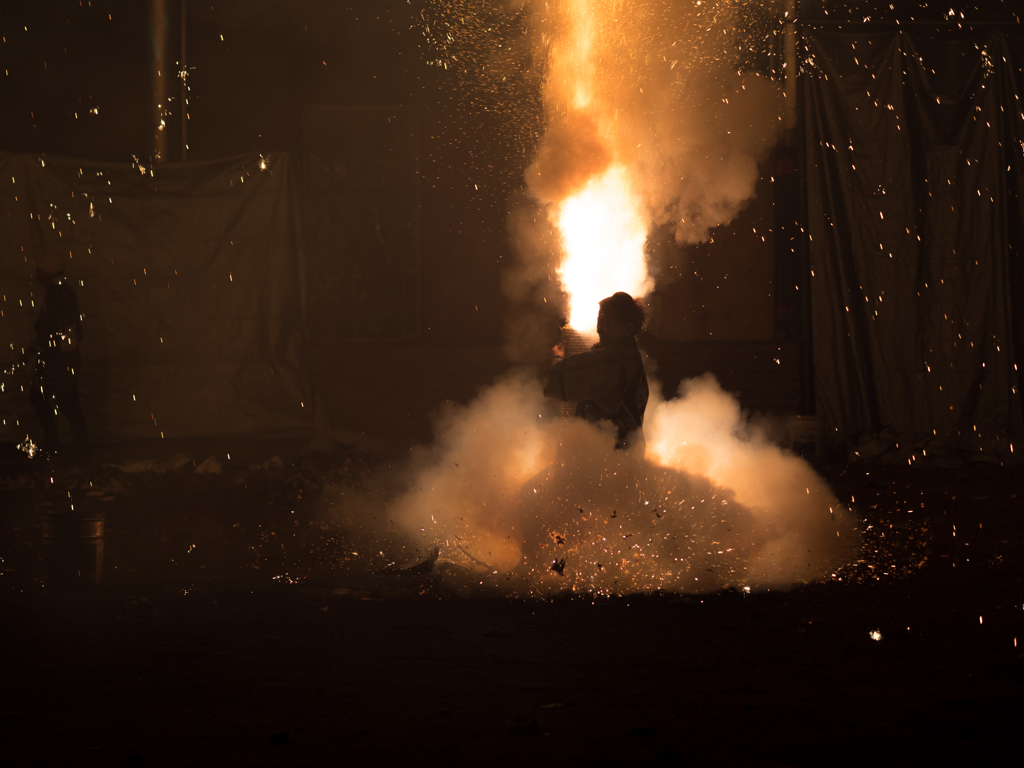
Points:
x=712 y=505
x=703 y=431
x=463 y=497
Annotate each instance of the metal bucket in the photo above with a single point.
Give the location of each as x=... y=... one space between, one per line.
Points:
x=807 y=436
x=73 y=549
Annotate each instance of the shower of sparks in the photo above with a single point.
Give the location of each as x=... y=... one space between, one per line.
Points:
x=486 y=68
x=494 y=59
x=29 y=447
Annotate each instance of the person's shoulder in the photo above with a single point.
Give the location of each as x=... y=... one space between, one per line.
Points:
x=597 y=354
x=626 y=351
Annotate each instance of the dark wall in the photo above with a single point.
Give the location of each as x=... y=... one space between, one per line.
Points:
x=60 y=62
x=255 y=68
x=887 y=11
x=724 y=289
x=252 y=65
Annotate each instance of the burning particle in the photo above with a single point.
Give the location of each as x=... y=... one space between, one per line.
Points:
x=875 y=635
x=29 y=447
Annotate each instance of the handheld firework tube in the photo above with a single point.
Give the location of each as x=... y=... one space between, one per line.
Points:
x=572 y=343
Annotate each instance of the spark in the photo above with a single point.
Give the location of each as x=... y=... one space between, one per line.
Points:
x=29 y=447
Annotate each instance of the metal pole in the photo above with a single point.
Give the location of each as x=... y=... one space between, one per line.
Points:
x=789 y=64
x=161 y=74
x=184 y=86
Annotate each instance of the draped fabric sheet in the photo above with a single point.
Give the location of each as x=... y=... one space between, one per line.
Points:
x=361 y=220
x=915 y=167
x=189 y=278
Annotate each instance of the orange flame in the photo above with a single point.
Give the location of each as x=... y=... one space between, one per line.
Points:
x=603 y=230
x=601 y=218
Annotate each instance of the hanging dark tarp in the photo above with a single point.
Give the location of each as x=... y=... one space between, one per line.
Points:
x=189 y=280
x=914 y=173
x=361 y=220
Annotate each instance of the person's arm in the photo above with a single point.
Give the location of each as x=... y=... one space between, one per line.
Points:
x=586 y=376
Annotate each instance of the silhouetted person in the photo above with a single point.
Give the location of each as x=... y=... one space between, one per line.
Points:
x=608 y=383
x=57 y=361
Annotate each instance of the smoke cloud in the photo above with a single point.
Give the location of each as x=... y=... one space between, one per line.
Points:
x=539 y=505
x=517 y=497
x=463 y=498
x=662 y=88
x=572 y=153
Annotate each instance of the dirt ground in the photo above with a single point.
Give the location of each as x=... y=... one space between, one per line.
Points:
x=235 y=627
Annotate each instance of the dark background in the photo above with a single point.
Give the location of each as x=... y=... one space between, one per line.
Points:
x=318 y=79
x=260 y=89
x=199 y=645
x=264 y=88
x=248 y=91
x=314 y=78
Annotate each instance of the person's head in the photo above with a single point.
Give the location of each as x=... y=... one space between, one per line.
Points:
x=620 y=317
x=49 y=268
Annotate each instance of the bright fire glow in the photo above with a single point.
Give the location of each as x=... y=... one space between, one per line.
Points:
x=577 y=52
x=603 y=231
x=603 y=223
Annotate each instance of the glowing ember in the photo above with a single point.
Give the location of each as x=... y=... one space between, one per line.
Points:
x=603 y=231
x=28 y=447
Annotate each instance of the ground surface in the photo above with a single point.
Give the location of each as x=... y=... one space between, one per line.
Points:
x=233 y=628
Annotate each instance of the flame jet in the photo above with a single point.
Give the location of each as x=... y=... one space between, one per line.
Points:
x=579 y=172
x=650 y=122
